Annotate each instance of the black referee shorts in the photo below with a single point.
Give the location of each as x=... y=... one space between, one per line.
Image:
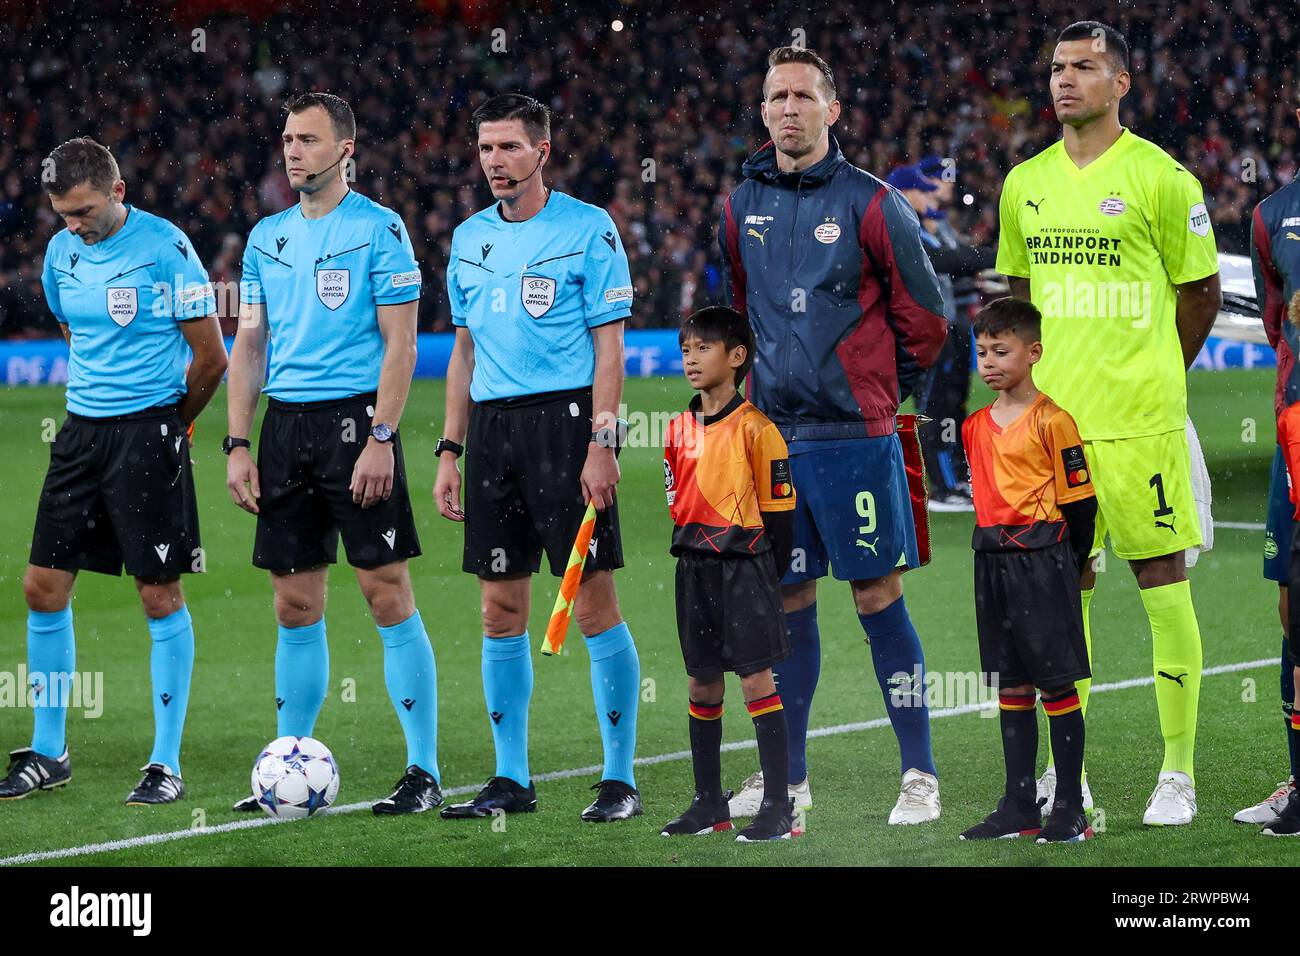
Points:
x=522 y=488
x=1030 y=617
x=729 y=615
x=120 y=491
x=305 y=455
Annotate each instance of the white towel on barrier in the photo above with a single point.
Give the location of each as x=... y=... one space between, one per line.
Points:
x=1200 y=493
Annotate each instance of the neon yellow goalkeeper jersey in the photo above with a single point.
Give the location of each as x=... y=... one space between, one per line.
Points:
x=1103 y=248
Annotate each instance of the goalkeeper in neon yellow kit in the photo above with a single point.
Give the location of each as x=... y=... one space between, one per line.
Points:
x=1110 y=238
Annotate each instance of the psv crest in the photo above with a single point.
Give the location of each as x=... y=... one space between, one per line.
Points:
x=123 y=305
x=538 y=295
x=332 y=287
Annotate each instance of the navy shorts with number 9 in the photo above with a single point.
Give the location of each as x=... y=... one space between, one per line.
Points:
x=853 y=511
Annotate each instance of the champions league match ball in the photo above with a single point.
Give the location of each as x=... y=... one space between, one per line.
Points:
x=295 y=777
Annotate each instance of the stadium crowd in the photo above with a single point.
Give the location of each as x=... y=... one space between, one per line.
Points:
x=651 y=122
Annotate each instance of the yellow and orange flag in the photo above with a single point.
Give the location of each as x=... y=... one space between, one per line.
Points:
x=558 y=627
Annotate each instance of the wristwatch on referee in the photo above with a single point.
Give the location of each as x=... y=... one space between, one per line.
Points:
x=229 y=444
x=382 y=433
x=446 y=444
x=605 y=437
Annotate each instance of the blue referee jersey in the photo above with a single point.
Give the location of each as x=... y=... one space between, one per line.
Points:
x=321 y=280
x=530 y=292
x=121 y=299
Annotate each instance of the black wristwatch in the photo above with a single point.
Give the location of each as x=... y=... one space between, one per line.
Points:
x=229 y=444
x=383 y=433
x=446 y=444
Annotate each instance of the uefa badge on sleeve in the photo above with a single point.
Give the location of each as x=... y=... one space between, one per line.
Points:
x=538 y=295
x=332 y=287
x=1076 y=466
x=123 y=303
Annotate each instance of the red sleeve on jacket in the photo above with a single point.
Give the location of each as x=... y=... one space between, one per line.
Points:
x=1268 y=284
x=733 y=269
x=890 y=237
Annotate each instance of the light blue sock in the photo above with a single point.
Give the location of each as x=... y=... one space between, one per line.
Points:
x=171 y=662
x=412 y=680
x=507 y=689
x=50 y=650
x=302 y=674
x=616 y=686
x=896 y=654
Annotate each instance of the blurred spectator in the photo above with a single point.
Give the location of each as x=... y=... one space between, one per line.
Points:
x=651 y=122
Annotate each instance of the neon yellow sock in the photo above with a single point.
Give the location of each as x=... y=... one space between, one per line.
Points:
x=1176 y=659
x=1082 y=686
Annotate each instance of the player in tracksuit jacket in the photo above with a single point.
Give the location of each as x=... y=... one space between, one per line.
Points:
x=1275 y=255
x=826 y=261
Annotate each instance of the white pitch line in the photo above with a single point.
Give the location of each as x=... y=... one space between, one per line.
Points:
x=1241 y=525
x=152 y=839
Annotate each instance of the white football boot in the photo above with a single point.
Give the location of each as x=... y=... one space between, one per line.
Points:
x=1173 y=803
x=918 y=799
x=1046 y=794
x=1269 y=809
x=750 y=798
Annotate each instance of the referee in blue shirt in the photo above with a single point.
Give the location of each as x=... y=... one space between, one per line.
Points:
x=132 y=300
x=539 y=289
x=332 y=283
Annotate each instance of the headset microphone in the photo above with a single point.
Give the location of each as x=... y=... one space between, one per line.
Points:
x=311 y=176
x=515 y=182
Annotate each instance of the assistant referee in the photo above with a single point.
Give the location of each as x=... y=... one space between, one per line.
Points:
x=539 y=289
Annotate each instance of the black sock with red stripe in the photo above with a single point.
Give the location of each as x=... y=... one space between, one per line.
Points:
x=1019 y=746
x=706 y=749
x=773 y=748
x=1065 y=724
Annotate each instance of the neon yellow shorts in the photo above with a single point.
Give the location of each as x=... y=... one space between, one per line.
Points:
x=1144 y=495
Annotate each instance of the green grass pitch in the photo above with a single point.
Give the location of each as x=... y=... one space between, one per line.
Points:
x=854 y=774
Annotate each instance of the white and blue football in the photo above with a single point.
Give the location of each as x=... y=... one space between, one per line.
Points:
x=295 y=777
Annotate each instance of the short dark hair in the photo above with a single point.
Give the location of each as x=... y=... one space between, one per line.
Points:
x=340 y=112
x=507 y=106
x=80 y=160
x=798 y=54
x=1020 y=317
x=717 y=323
x=1105 y=40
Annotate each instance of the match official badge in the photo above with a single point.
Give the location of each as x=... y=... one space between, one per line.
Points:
x=332 y=287
x=123 y=303
x=538 y=294
x=1076 y=466
x=781 y=484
